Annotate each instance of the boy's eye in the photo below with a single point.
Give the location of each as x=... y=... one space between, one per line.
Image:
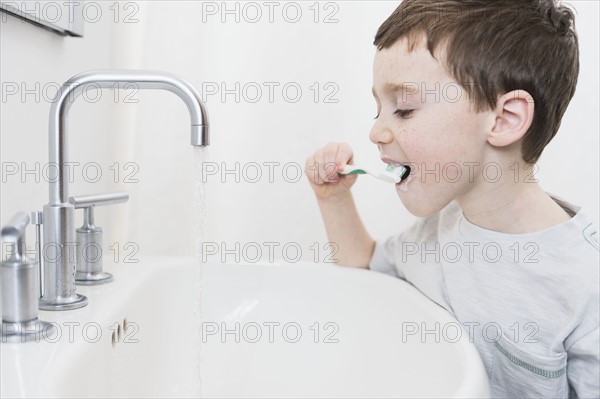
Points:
x=404 y=112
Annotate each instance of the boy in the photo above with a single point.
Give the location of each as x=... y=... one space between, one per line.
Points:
x=469 y=93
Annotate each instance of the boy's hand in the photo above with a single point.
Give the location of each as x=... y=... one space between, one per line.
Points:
x=322 y=171
x=342 y=222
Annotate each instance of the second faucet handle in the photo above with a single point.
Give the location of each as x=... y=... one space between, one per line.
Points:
x=89 y=238
x=19 y=281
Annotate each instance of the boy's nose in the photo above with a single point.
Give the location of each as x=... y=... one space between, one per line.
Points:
x=380 y=134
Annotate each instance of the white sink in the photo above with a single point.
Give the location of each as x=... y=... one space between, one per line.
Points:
x=355 y=350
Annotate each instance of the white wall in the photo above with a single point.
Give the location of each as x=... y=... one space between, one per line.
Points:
x=154 y=133
x=37 y=62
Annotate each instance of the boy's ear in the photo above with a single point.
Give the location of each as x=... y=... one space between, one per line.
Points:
x=514 y=115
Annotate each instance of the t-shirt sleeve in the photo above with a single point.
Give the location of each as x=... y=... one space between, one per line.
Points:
x=387 y=257
x=583 y=366
x=383 y=260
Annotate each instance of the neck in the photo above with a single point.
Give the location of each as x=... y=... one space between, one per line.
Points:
x=511 y=207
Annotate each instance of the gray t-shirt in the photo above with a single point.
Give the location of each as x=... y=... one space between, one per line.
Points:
x=529 y=302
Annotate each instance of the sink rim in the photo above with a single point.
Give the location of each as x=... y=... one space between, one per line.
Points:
x=129 y=278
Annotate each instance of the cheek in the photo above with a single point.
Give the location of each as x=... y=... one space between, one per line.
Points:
x=454 y=137
x=444 y=134
x=434 y=142
x=440 y=152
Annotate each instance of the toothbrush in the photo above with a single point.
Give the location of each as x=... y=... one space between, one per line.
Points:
x=392 y=174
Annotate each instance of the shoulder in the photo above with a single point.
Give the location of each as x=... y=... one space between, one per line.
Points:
x=579 y=245
x=579 y=235
x=580 y=253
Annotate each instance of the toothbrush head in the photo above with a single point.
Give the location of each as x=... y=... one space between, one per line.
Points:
x=396 y=173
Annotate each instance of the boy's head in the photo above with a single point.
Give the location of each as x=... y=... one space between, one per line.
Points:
x=485 y=82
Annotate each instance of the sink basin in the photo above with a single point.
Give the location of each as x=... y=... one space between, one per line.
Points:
x=170 y=327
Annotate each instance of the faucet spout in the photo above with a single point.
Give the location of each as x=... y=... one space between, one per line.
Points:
x=121 y=79
x=59 y=264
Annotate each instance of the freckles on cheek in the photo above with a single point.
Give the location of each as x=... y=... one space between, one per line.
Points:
x=413 y=143
x=403 y=136
x=435 y=149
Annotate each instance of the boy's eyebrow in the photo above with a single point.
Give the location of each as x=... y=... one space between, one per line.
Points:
x=410 y=88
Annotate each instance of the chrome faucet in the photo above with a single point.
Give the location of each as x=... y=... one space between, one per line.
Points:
x=60 y=268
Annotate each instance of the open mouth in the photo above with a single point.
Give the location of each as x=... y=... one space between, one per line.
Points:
x=406 y=173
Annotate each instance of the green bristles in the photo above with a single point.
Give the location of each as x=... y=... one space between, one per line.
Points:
x=397 y=170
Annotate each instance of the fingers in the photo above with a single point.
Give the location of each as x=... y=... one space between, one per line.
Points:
x=317 y=170
x=344 y=155
x=323 y=166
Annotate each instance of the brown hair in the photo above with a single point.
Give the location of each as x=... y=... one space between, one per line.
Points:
x=495 y=46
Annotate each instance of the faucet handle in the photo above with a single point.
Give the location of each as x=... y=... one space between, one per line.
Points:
x=87 y=201
x=20 y=277
x=14 y=233
x=89 y=238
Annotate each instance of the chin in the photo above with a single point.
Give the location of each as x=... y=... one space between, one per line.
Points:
x=423 y=212
x=423 y=209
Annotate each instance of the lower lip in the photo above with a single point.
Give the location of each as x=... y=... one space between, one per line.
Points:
x=403 y=185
